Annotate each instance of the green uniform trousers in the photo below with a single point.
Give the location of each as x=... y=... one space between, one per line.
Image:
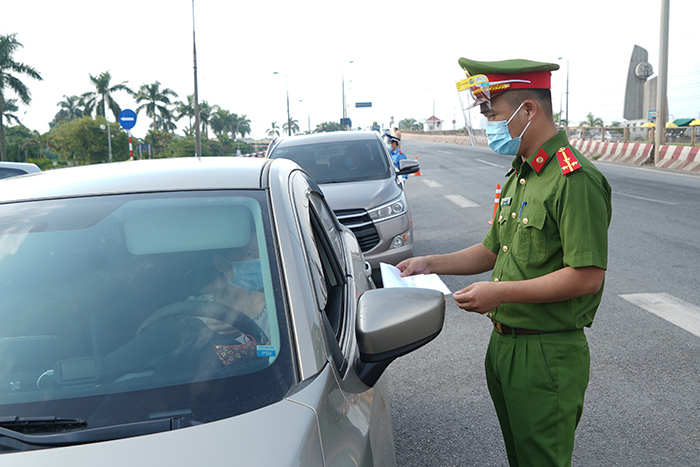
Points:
x=537 y=384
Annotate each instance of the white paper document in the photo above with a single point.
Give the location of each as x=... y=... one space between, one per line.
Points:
x=391 y=277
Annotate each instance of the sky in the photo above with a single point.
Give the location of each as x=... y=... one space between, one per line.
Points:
x=400 y=56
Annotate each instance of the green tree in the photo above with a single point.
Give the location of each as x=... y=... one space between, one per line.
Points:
x=206 y=112
x=71 y=107
x=291 y=124
x=223 y=123
x=327 y=127
x=101 y=98
x=273 y=131
x=242 y=125
x=82 y=141
x=8 y=113
x=592 y=121
x=186 y=109
x=156 y=103
x=159 y=139
x=9 y=69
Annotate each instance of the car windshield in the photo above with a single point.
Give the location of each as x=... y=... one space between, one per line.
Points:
x=127 y=308
x=341 y=161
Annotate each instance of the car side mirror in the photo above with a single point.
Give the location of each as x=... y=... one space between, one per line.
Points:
x=394 y=322
x=407 y=167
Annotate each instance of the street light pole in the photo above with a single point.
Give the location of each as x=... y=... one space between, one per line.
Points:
x=661 y=99
x=197 y=135
x=289 y=118
x=109 y=132
x=567 y=93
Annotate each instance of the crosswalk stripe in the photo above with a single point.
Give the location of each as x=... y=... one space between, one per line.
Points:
x=672 y=309
x=461 y=201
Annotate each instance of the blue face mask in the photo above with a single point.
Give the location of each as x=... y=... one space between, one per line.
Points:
x=247 y=274
x=499 y=137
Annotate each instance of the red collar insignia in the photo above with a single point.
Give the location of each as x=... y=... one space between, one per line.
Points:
x=539 y=160
x=567 y=160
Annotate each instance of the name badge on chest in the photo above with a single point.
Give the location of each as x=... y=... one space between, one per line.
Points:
x=506 y=201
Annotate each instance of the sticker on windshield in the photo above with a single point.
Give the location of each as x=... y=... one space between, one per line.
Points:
x=267 y=351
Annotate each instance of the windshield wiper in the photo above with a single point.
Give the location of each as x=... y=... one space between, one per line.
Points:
x=43 y=424
x=83 y=436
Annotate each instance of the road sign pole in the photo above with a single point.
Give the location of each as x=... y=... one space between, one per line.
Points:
x=131 y=148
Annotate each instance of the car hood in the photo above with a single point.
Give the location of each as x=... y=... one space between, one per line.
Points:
x=366 y=194
x=285 y=433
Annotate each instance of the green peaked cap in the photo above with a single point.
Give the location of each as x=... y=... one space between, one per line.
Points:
x=505 y=66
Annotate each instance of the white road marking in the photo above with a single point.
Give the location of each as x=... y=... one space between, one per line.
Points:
x=444 y=152
x=461 y=201
x=490 y=163
x=431 y=183
x=643 y=198
x=672 y=309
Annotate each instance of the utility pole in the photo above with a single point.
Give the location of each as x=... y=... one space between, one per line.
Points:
x=197 y=135
x=109 y=132
x=661 y=101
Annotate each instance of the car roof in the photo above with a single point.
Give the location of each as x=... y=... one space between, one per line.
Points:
x=176 y=174
x=26 y=167
x=330 y=137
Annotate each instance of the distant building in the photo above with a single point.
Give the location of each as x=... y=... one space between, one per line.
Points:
x=433 y=124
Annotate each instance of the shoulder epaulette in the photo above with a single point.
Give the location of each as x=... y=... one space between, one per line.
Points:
x=511 y=171
x=567 y=160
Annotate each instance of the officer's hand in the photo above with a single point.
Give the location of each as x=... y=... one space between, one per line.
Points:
x=411 y=266
x=479 y=297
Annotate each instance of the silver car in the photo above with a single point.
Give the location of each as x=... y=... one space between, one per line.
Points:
x=193 y=312
x=363 y=188
x=12 y=169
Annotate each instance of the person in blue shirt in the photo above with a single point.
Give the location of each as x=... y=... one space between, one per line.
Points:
x=396 y=153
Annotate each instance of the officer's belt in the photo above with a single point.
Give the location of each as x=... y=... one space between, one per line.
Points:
x=503 y=329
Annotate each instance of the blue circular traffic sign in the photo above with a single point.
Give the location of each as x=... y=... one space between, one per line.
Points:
x=127 y=119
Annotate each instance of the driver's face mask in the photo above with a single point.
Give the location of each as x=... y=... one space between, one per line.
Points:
x=500 y=140
x=246 y=274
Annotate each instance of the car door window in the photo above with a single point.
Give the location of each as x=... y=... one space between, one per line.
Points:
x=327 y=269
x=330 y=225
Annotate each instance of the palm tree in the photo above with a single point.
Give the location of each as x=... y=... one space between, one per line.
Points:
x=205 y=114
x=186 y=109
x=71 y=108
x=156 y=102
x=242 y=126
x=8 y=46
x=291 y=124
x=592 y=121
x=95 y=100
x=223 y=123
x=407 y=124
x=273 y=131
x=10 y=107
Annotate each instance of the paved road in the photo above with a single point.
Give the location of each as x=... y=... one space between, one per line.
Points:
x=643 y=401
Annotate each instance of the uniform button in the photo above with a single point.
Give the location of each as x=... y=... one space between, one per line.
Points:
x=513 y=215
x=500 y=218
x=490 y=315
x=505 y=247
x=496 y=279
x=525 y=220
x=522 y=181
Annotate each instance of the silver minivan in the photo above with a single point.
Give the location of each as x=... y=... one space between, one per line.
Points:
x=360 y=183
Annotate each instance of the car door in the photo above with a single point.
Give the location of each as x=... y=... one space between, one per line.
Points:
x=348 y=432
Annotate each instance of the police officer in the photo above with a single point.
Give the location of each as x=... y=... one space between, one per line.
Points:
x=395 y=152
x=547 y=250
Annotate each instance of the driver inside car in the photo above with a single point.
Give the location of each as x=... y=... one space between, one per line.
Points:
x=239 y=285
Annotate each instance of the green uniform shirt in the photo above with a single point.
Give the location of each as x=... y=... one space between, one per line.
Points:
x=545 y=222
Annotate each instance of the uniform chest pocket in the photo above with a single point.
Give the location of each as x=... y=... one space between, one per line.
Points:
x=530 y=243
